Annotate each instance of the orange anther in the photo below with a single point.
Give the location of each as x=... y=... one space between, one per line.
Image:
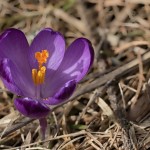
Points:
x=45 y=54
x=38 y=75
x=41 y=57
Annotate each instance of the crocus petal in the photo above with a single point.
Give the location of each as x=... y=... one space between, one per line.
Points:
x=9 y=73
x=75 y=64
x=25 y=84
x=47 y=39
x=6 y=76
x=64 y=93
x=31 y=108
x=14 y=47
x=78 y=59
x=43 y=124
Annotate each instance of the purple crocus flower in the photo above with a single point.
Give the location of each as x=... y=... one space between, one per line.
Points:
x=43 y=73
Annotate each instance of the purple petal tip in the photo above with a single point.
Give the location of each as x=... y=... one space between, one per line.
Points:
x=31 y=108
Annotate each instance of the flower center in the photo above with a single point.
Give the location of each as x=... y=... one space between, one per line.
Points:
x=38 y=75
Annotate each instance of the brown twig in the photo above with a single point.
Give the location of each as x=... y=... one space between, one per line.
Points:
x=121 y=118
x=130 y=44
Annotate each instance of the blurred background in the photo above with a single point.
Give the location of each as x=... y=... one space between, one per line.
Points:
x=119 y=31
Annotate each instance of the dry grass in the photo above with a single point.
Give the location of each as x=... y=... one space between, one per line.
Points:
x=113 y=115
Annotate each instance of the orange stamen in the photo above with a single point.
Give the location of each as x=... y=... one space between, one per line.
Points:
x=38 y=75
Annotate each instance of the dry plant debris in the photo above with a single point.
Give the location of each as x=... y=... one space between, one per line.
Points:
x=110 y=109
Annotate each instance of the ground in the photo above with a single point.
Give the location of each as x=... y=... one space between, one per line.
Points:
x=110 y=108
